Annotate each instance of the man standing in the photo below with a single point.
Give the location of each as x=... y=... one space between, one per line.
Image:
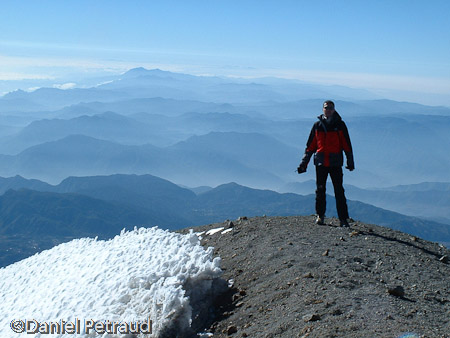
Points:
x=327 y=140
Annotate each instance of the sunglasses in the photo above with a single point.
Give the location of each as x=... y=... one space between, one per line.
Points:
x=328 y=108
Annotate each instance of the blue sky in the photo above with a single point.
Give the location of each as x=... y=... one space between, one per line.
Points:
x=399 y=49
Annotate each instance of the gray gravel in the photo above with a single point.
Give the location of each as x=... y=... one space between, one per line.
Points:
x=293 y=278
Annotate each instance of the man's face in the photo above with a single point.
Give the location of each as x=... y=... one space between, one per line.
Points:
x=328 y=110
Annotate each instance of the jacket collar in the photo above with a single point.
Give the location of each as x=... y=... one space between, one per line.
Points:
x=334 y=119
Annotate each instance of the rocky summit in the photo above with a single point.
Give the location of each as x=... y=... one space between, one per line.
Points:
x=289 y=278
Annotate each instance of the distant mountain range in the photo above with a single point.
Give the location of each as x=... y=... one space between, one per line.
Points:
x=252 y=151
x=200 y=131
x=143 y=83
x=148 y=114
x=32 y=220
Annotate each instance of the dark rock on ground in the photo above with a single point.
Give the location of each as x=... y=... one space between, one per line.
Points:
x=285 y=286
x=397 y=291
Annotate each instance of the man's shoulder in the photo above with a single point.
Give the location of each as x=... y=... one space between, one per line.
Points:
x=342 y=124
x=318 y=122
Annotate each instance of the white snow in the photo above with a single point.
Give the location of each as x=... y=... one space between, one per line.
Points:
x=213 y=231
x=141 y=274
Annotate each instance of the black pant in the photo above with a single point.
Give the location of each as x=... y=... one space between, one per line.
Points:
x=321 y=182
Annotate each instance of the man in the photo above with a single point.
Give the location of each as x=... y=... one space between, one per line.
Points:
x=327 y=140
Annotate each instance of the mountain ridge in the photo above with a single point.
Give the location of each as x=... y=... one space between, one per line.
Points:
x=145 y=200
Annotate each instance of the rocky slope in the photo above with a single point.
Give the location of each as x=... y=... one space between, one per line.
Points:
x=292 y=278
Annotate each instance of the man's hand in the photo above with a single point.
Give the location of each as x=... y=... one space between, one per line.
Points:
x=301 y=168
x=350 y=166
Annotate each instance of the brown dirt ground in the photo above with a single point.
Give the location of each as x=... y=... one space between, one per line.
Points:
x=292 y=278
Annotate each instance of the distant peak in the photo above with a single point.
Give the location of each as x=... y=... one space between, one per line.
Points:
x=141 y=71
x=137 y=70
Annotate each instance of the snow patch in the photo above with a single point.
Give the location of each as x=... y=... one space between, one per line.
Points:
x=140 y=274
x=213 y=231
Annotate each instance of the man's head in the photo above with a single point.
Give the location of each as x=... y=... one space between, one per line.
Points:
x=328 y=108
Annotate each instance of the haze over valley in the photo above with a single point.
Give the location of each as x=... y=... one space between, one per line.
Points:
x=207 y=131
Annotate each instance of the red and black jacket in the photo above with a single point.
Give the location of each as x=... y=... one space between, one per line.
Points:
x=327 y=141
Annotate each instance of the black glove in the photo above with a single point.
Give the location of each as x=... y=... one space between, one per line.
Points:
x=301 y=168
x=350 y=166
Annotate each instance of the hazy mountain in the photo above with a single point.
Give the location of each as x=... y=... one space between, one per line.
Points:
x=388 y=146
x=424 y=186
x=8 y=130
x=390 y=107
x=216 y=89
x=79 y=155
x=254 y=150
x=222 y=157
x=169 y=203
x=139 y=128
x=54 y=98
x=286 y=131
x=156 y=83
x=105 y=126
x=13 y=103
x=153 y=105
x=18 y=182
